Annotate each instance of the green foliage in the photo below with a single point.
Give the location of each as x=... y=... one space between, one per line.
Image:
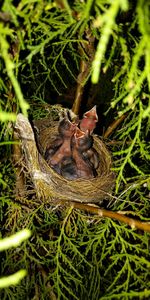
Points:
x=73 y=255
x=83 y=257
x=6 y=243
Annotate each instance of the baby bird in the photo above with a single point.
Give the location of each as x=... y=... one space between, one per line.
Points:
x=89 y=120
x=82 y=142
x=53 y=148
x=66 y=130
x=69 y=168
x=92 y=156
x=85 y=147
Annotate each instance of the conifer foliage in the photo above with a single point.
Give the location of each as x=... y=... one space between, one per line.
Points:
x=72 y=254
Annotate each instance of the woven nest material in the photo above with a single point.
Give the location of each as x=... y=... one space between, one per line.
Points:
x=49 y=185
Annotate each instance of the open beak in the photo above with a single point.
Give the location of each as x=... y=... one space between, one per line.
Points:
x=91 y=114
x=79 y=134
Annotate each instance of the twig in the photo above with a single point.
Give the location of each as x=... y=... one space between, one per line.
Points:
x=80 y=87
x=85 y=67
x=145 y=226
x=113 y=142
x=113 y=126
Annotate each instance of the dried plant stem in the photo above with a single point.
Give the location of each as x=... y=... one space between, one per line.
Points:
x=114 y=142
x=85 y=49
x=80 y=87
x=113 y=126
x=103 y=213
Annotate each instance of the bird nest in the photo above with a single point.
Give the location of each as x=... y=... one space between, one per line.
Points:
x=48 y=184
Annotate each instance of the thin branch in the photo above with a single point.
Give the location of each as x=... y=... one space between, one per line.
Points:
x=114 y=143
x=85 y=49
x=113 y=126
x=103 y=213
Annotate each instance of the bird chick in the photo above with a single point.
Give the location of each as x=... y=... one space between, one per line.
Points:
x=84 y=169
x=89 y=120
x=84 y=141
x=66 y=130
x=53 y=148
x=85 y=144
x=51 y=151
x=69 y=169
x=92 y=156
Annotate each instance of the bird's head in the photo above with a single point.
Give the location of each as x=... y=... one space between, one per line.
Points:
x=66 y=128
x=83 y=140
